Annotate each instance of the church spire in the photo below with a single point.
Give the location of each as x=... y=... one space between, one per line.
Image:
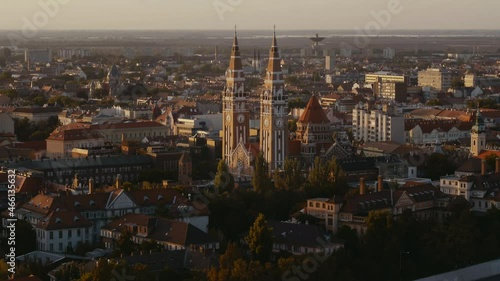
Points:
x=235 y=62
x=274 y=64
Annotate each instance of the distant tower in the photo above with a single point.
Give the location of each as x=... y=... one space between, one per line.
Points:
x=316 y=41
x=114 y=79
x=156 y=112
x=216 y=56
x=91 y=186
x=478 y=135
x=92 y=90
x=235 y=126
x=273 y=113
x=185 y=168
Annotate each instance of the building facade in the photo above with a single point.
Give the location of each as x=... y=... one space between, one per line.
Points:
x=478 y=135
x=376 y=125
x=273 y=113
x=439 y=79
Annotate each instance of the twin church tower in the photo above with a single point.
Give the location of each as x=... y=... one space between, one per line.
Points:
x=237 y=150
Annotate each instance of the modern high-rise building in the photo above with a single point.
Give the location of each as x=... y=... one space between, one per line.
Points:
x=38 y=55
x=376 y=125
x=389 y=53
x=439 y=79
x=385 y=76
x=329 y=63
x=273 y=113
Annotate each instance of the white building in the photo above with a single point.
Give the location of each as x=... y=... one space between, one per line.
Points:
x=439 y=79
x=389 y=53
x=376 y=125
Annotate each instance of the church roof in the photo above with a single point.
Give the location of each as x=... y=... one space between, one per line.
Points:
x=274 y=57
x=114 y=72
x=235 y=62
x=314 y=113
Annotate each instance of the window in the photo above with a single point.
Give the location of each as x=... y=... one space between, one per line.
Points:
x=69 y=233
x=51 y=235
x=60 y=236
x=78 y=232
x=60 y=247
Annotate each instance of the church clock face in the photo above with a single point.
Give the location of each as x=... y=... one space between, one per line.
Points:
x=266 y=122
x=241 y=118
x=228 y=118
x=279 y=123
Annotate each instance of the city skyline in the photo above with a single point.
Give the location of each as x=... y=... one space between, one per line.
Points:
x=223 y=14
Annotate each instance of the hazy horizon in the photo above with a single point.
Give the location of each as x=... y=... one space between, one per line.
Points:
x=254 y=15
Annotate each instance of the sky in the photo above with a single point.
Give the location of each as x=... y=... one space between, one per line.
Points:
x=250 y=14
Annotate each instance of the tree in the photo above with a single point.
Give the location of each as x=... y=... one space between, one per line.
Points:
x=223 y=181
x=102 y=271
x=260 y=180
x=232 y=253
x=260 y=239
x=124 y=244
x=291 y=176
x=491 y=159
x=457 y=82
x=319 y=176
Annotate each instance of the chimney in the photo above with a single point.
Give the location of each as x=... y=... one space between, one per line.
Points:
x=362 y=186
x=118 y=181
x=497 y=165
x=91 y=186
x=380 y=183
x=483 y=167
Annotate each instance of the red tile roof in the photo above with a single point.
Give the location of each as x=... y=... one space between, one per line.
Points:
x=314 y=113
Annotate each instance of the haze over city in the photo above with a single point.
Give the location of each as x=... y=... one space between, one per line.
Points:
x=255 y=14
x=228 y=140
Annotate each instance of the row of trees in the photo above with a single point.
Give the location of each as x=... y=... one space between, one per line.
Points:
x=26 y=130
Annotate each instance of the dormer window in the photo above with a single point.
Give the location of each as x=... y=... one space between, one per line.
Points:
x=58 y=220
x=75 y=219
x=160 y=197
x=92 y=203
x=77 y=204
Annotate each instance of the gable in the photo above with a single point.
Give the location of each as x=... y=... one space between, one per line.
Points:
x=121 y=201
x=404 y=201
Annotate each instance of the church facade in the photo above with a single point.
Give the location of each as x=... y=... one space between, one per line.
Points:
x=237 y=150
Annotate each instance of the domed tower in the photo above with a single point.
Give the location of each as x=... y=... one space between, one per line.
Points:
x=478 y=135
x=114 y=80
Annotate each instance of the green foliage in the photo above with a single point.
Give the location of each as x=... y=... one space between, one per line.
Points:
x=103 y=270
x=260 y=239
x=439 y=165
x=296 y=103
x=292 y=126
x=149 y=245
x=434 y=102
x=125 y=244
x=64 y=101
x=457 y=82
x=291 y=177
x=26 y=130
x=223 y=180
x=260 y=180
x=491 y=159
